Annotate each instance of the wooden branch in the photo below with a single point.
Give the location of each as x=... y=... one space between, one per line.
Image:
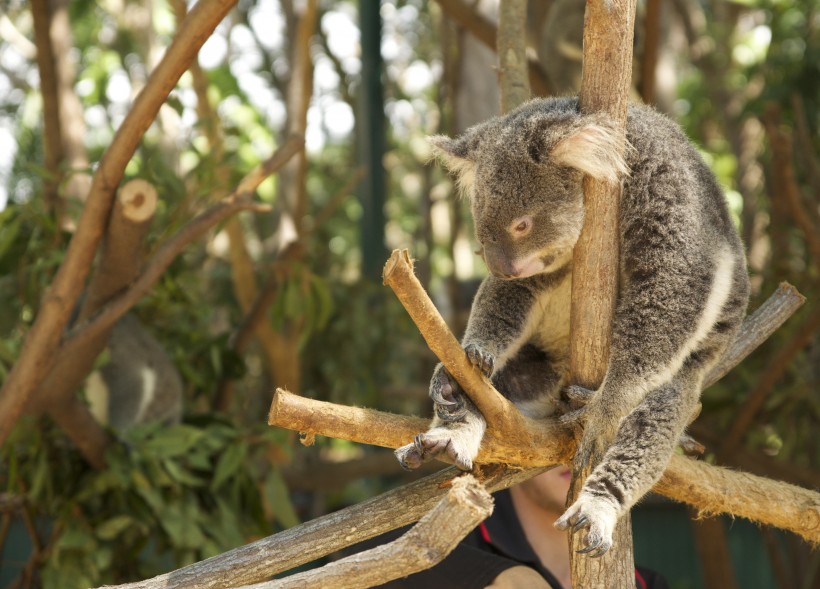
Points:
x=327 y=534
x=77 y=178
x=512 y=54
x=757 y=328
x=123 y=246
x=485 y=31
x=704 y=486
x=42 y=341
x=785 y=183
x=651 y=41
x=120 y=261
x=806 y=152
x=711 y=489
x=765 y=384
x=358 y=425
x=171 y=248
x=605 y=82
x=511 y=437
x=425 y=545
x=52 y=137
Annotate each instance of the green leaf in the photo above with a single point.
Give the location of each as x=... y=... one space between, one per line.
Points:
x=181 y=524
x=278 y=500
x=74 y=538
x=10 y=223
x=110 y=529
x=173 y=441
x=229 y=463
x=181 y=474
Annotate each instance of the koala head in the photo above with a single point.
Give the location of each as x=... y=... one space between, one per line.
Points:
x=522 y=173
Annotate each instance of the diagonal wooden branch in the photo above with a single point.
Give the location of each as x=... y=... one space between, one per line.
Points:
x=425 y=545
x=238 y=200
x=324 y=535
x=43 y=339
x=121 y=257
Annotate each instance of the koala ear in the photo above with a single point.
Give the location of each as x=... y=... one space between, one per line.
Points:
x=595 y=149
x=455 y=154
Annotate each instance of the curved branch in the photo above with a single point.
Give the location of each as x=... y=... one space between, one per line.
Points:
x=425 y=545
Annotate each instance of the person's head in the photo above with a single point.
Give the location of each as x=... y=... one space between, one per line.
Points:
x=548 y=490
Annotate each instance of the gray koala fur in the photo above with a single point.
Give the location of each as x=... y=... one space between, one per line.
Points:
x=682 y=295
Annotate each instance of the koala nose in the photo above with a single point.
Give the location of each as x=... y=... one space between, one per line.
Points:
x=498 y=263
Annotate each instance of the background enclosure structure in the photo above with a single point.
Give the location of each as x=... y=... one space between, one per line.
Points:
x=739 y=78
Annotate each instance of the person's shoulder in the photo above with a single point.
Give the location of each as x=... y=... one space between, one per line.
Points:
x=649 y=579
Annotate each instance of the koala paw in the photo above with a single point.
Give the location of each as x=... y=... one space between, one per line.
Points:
x=574 y=405
x=597 y=516
x=480 y=358
x=447 y=396
x=577 y=396
x=459 y=447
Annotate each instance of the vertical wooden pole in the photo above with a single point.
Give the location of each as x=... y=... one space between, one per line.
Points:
x=605 y=81
x=513 y=75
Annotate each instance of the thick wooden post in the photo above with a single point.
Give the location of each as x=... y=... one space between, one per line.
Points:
x=607 y=71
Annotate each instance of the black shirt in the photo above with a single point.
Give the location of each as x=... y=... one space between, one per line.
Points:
x=497 y=544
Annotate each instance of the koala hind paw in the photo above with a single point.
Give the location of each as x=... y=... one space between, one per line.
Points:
x=439 y=441
x=597 y=516
x=447 y=396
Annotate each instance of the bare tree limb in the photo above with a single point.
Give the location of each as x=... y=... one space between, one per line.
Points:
x=525 y=436
x=42 y=340
x=785 y=183
x=757 y=328
x=765 y=384
x=72 y=123
x=52 y=136
x=120 y=261
x=651 y=42
x=512 y=54
x=605 y=82
x=425 y=545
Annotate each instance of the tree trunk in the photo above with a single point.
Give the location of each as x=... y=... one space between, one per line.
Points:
x=607 y=72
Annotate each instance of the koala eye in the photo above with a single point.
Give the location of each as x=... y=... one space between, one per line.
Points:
x=521 y=226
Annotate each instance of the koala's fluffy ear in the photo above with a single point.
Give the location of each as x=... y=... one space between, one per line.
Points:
x=595 y=149
x=455 y=154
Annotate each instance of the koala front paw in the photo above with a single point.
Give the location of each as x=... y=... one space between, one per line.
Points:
x=598 y=516
x=460 y=447
x=447 y=396
x=480 y=358
x=574 y=405
x=600 y=429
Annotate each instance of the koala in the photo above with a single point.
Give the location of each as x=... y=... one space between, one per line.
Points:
x=683 y=291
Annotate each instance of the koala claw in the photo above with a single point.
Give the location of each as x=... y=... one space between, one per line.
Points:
x=447 y=397
x=577 y=394
x=428 y=445
x=481 y=359
x=598 y=517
